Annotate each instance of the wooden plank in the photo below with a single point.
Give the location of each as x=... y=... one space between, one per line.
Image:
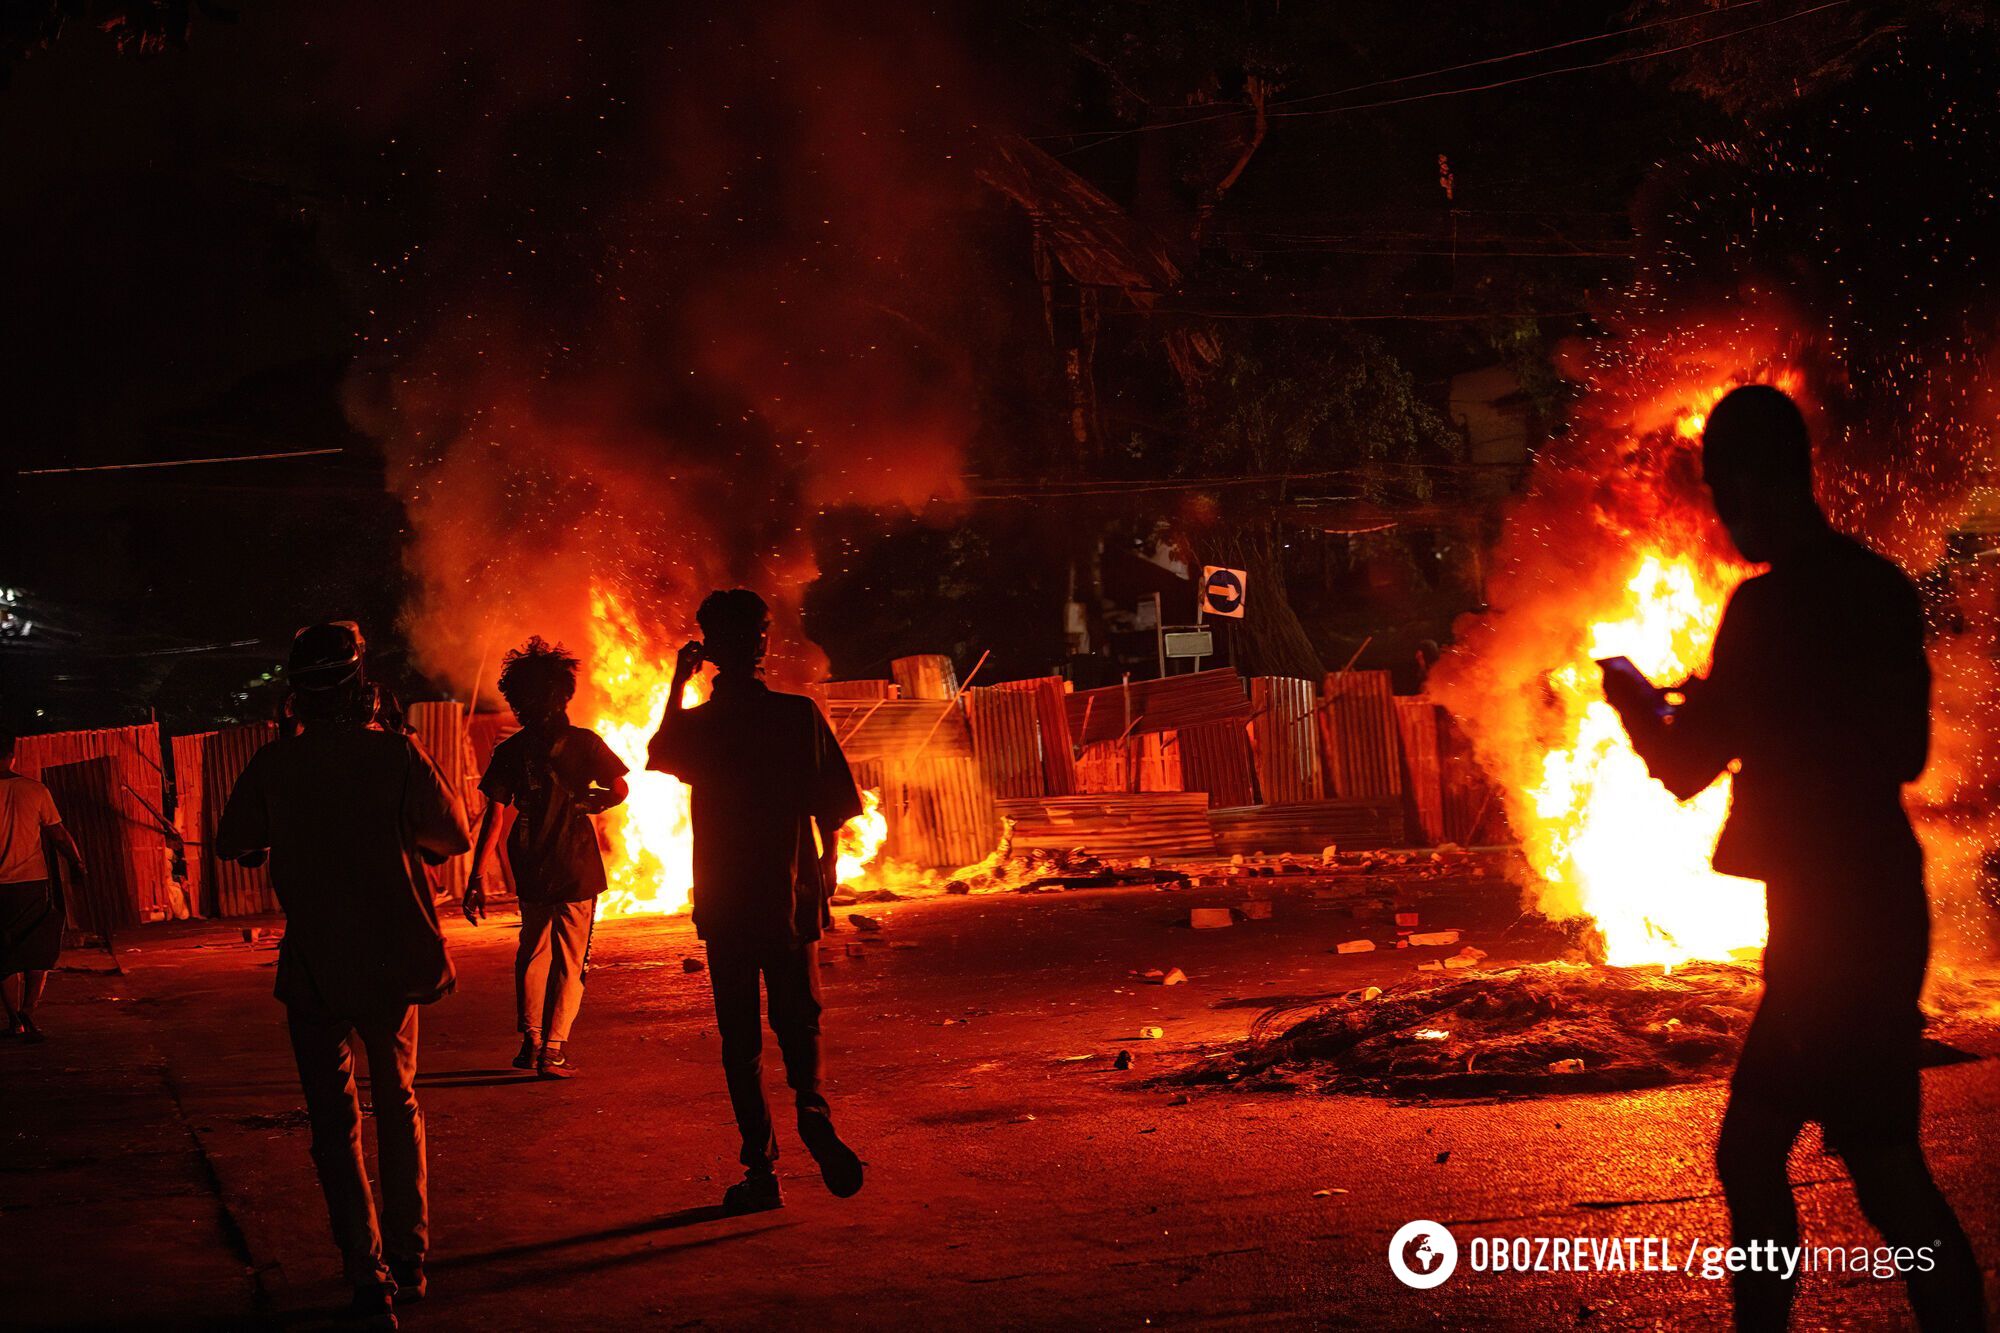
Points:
x=1122 y=826
x=1358 y=730
x=1284 y=738
x=1308 y=827
x=1156 y=761
x=926 y=676
x=1171 y=704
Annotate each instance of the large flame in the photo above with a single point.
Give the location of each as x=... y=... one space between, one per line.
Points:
x=649 y=840
x=1635 y=858
x=649 y=851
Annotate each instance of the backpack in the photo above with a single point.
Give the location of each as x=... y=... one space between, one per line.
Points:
x=552 y=837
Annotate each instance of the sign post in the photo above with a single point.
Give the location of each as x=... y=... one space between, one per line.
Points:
x=1221 y=594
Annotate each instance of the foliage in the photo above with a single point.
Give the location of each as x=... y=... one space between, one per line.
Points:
x=1302 y=401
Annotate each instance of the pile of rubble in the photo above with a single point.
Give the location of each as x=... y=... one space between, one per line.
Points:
x=1543 y=1028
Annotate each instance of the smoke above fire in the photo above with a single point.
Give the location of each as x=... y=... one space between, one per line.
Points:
x=1780 y=257
x=661 y=285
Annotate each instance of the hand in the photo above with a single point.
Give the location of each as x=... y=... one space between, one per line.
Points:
x=1629 y=693
x=474 y=902
x=688 y=660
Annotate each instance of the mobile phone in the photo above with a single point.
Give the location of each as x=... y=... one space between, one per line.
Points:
x=1625 y=669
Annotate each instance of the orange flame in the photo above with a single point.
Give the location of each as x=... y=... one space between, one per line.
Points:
x=861 y=839
x=1602 y=830
x=649 y=861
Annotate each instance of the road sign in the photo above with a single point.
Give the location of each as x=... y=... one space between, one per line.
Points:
x=1222 y=591
x=1188 y=641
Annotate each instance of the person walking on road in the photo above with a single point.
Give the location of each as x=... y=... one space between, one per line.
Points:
x=556 y=776
x=349 y=816
x=771 y=791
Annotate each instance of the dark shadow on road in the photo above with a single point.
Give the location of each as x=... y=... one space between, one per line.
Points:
x=686 y=1217
x=1276 y=1002
x=475 y=1078
x=475 y=1281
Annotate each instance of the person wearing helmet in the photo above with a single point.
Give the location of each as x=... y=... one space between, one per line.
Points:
x=771 y=790
x=349 y=815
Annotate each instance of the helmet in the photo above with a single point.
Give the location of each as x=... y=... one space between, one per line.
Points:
x=327 y=656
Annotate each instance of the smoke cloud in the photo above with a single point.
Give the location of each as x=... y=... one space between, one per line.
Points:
x=659 y=284
x=1781 y=258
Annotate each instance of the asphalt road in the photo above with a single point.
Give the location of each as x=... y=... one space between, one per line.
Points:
x=153 y=1170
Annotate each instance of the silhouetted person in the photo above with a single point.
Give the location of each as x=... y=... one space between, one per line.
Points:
x=771 y=790
x=31 y=905
x=556 y=776
x=1820 y=691
x=349 y=815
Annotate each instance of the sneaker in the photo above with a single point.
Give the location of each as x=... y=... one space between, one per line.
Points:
x=411 y=1284
x=755 y=1193
x=838 y=1166
x=372 y=1307
x=555 y=1061
x=30 y=1032
x=531 y=1052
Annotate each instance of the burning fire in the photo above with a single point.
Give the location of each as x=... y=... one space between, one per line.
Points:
x=1613 y=551
x=861 y=839
x=649 y=840
x=1635 y=858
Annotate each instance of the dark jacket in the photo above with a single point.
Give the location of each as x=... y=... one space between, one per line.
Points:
x=1820 y=693
x=771 y=788
x=348 y=816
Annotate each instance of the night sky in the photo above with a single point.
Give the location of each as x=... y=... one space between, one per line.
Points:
x=756 y=238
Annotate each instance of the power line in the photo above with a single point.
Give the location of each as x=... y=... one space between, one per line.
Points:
x=175 y=462
x=1518 y=55
x=1109 y=136
x=1626 y=59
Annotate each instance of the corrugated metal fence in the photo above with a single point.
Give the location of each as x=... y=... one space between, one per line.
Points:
x=1284 y=736
x=110 y=788
x=206 y=767
x=1358 y=724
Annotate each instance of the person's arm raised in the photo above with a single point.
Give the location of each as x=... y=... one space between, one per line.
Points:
x=660 y=755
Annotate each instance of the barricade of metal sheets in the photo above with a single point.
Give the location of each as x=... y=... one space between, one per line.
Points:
x=1122 y=826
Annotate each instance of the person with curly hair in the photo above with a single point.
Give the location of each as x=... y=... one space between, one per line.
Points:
x=555 y=776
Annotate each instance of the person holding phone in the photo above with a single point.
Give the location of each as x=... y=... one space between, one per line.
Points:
x=1819 y=696
x=771 y=791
